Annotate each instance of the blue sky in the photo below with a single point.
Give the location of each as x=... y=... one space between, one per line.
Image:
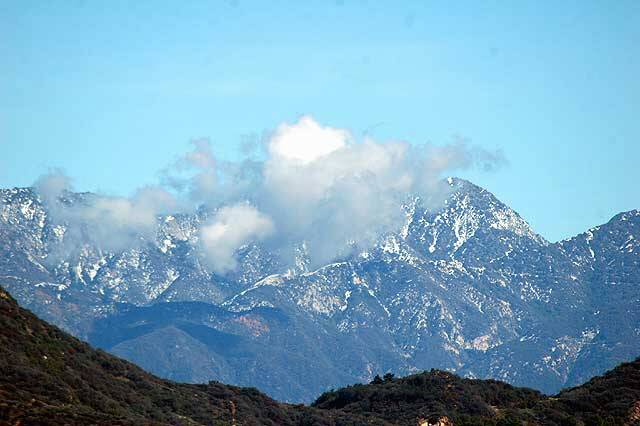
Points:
x=113 y=91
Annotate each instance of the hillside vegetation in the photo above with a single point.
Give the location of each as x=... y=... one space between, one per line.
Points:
x=606 y=400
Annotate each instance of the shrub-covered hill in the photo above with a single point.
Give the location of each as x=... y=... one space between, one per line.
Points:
x=48 y=377
x=611 y=399
x=616 y=394
x=432 y=394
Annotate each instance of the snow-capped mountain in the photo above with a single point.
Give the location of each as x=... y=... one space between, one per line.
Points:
x=469 y=288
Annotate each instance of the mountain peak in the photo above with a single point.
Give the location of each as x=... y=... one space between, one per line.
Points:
x=469 y=214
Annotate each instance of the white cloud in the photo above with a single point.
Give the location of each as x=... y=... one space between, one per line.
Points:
x=316 y=185
x=109 y=223
x=352 y=195
x=230 y=228
x=306 y=141
x=52 y=185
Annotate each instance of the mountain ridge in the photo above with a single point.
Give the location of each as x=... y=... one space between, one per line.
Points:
x=468 y=287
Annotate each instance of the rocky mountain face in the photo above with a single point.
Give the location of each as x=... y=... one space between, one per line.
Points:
x=469 y=288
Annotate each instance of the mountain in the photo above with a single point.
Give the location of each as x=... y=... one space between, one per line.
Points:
x=48 y=377
x=467 y=288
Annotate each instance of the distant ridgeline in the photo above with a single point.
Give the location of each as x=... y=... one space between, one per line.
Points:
x=468 y=288
x=48 y=377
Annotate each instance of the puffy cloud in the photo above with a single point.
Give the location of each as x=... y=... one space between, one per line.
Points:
x=353 y=192
x=203 y=179
x=52 y=185
x=305 y=141
x=109 y=223
x=314 y=184
x=201 y=156
x=350 y=196
x=230 y=228
x=196 y=172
